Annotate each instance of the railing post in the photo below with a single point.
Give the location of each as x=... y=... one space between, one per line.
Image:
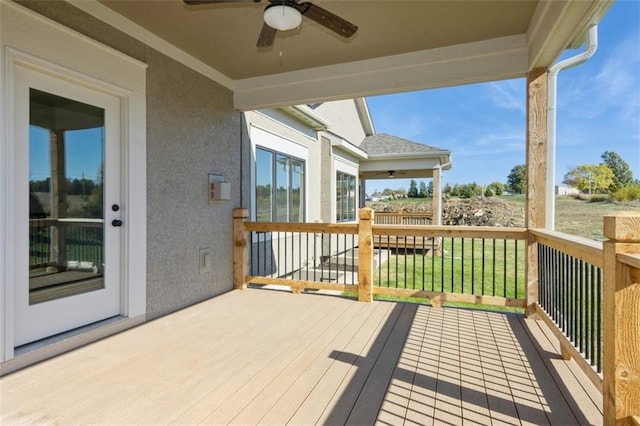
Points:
x=240 y=247
x=365 y=255
x=621 y=361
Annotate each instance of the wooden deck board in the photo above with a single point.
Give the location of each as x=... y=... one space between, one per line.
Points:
x=269 y=357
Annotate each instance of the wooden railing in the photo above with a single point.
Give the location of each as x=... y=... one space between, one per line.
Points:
x=66 y=241
x=570 y=301
x=587 y=292
x=403 y=218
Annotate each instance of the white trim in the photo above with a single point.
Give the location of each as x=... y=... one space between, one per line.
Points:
x=263 y=138
x=556 y=26
x=343 y=165
x=365 y=117
x=345 y=146
x=309 y=116
x=105 y=14
x=274 y=132
x=40 y=43
x=501 y=58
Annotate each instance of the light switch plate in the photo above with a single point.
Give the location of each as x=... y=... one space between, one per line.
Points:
x=205 y=260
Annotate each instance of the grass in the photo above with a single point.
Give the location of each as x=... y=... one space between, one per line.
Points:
x=581 y=217
x=467 y=266
x=575 y=216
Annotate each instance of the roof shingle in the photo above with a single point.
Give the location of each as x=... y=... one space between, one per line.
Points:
x=383 y=143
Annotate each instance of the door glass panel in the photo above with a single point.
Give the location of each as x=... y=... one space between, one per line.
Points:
x=66 y=206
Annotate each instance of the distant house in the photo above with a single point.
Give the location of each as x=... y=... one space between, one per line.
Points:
x=566 y=190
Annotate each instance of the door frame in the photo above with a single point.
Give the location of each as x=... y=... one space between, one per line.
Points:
x=33 y=41
x=42 y=320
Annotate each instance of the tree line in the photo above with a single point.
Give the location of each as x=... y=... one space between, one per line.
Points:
x=611 y=176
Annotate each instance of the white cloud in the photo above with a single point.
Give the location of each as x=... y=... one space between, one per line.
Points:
x=508 y=94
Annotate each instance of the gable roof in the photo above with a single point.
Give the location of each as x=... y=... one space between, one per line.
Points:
x=383 y=144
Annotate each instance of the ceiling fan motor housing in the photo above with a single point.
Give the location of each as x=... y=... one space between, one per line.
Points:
x=282 y=15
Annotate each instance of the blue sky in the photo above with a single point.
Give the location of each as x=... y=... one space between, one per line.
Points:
x=84 y=152
x=483 y=125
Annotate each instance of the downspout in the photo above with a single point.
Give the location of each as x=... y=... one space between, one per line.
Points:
x=591 y=46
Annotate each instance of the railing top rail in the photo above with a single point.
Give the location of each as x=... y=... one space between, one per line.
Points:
x=452 y=231
x=587 y=250
x=414 y=230
x=405 y=214
x=320 y=228
x=628 y=259
x=80 y=221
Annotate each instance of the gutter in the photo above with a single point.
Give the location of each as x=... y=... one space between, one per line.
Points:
x=591 y=46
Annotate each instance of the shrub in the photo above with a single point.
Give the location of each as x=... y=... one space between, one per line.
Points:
x=627 y=193
x=591 y=198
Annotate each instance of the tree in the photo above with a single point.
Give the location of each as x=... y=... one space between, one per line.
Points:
x=622 y=174
x=516 y=180
x=488 y=192
x=590 y=178
x=413 y=189
x=497 y=188
x=430 y=189
x=422 y=192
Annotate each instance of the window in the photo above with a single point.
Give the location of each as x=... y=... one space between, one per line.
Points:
x=345 y=197
x=279 y=187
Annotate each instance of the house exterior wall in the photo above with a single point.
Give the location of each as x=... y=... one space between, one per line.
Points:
x=192 y=130
x=344 y=119
x=293 y=133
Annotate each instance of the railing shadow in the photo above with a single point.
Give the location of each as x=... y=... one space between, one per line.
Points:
x=408 y=371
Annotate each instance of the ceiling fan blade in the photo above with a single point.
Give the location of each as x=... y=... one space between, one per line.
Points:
x=327 y=19
x=196 y=2
x=266 y=37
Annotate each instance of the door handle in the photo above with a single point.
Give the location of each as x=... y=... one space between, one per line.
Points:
x=116 y=222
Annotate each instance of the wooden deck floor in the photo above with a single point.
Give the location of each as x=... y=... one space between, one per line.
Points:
x=269 y=357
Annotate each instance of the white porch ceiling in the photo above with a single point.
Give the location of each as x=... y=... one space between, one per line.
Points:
x=400 y=45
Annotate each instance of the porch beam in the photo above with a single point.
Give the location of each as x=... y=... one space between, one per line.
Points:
x=536 y=173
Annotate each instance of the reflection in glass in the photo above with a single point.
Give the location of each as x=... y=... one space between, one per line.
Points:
x=280 y=194
x=66 y=213
x=264 y=173
x=345 y=197
x=283 y=186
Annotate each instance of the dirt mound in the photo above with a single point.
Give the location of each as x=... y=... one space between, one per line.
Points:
x=478 y=211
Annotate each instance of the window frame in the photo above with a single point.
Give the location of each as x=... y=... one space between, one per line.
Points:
x=348 y=213
x=291 y=209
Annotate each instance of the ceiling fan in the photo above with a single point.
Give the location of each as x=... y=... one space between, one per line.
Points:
x=391 y=173
x=284 y=15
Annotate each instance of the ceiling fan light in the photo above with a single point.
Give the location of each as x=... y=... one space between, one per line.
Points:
x=282 y=18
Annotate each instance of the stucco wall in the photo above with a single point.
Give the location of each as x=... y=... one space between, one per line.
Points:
x=192 y=130
x=344 y=119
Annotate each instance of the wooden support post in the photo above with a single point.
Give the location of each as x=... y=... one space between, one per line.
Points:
x=365 y=255
x=536 y=174
x=240 y=248
x=621 y=356
x=58 y=195
x=437 y=196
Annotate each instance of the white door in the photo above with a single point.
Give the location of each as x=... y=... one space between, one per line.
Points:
x=67 y=214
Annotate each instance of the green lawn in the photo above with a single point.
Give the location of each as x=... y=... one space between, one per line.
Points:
x=460 y=268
